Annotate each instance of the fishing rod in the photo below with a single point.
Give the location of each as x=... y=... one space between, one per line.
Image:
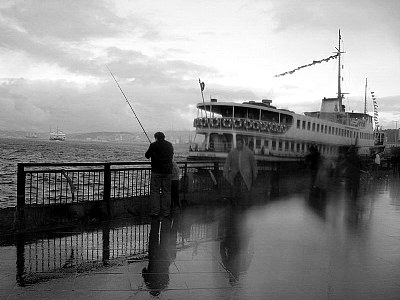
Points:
x=127 y=101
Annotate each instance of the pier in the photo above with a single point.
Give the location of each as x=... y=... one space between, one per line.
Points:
x=82 y=232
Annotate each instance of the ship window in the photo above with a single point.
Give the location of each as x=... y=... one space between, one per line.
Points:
x=220 y=142
x=258 y=143
x=304 y=124
x=313 y=126
x=298 y=123
x=269 y=116
x=251 y=145
x=308 y=125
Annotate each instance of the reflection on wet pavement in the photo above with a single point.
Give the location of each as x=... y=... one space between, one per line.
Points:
x=294 y=244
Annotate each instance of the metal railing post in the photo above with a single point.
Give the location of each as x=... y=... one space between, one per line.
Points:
x=21 y=196
x=185 y=182
x=107 y=186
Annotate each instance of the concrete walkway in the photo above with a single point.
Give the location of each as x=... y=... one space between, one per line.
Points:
x=298 y=246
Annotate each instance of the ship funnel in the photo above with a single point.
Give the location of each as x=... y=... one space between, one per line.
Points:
x=266 y=102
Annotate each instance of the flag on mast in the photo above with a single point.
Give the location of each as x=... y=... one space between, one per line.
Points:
x=202 y=86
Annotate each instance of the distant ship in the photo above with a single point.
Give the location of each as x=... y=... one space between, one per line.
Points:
x=57 y=135
x=31 y=135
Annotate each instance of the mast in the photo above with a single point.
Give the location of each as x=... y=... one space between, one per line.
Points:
x=365 y=97
x=339 y=92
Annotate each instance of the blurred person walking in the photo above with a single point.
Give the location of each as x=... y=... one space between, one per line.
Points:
x=175 y=203
x=240 y=170
x=352 y=172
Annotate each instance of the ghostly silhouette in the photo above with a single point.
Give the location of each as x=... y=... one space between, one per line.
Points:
x=352 y=172
x=313 y=159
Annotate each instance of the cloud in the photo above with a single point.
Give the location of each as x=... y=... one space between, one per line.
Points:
x=156 y=62
x=70 y=20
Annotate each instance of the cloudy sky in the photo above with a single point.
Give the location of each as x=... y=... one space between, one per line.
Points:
x=54 y=57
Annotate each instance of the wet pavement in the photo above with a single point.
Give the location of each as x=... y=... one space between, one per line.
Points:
x=295 y=245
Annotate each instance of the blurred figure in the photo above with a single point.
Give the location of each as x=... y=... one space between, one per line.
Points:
x=323 y=176
x=162 y=247
x=175 y=203
x=395 y=162
x=312 y=159
x=377 y=165
x=352 y=172
x=240 y=170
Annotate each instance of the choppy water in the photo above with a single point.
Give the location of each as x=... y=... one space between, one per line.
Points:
x=14 y=151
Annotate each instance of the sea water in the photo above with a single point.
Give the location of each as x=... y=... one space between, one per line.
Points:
x=14 y=151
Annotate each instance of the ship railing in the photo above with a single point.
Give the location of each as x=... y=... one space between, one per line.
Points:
x=241 y=124
x=41 y=184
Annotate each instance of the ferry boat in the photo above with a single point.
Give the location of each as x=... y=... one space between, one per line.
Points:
x=31 y=135
x=276 y=134
x=57 y=135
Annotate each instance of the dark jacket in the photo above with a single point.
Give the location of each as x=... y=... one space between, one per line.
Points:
x=161 y=153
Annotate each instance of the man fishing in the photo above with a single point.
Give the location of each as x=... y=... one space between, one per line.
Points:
x=161 y=153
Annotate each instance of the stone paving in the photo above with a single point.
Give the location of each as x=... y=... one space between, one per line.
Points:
x=298 y=246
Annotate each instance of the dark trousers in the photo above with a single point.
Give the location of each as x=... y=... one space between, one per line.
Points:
x=160 y=194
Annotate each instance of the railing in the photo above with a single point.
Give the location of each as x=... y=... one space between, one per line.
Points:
x=41 y=184
x=244 y=124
